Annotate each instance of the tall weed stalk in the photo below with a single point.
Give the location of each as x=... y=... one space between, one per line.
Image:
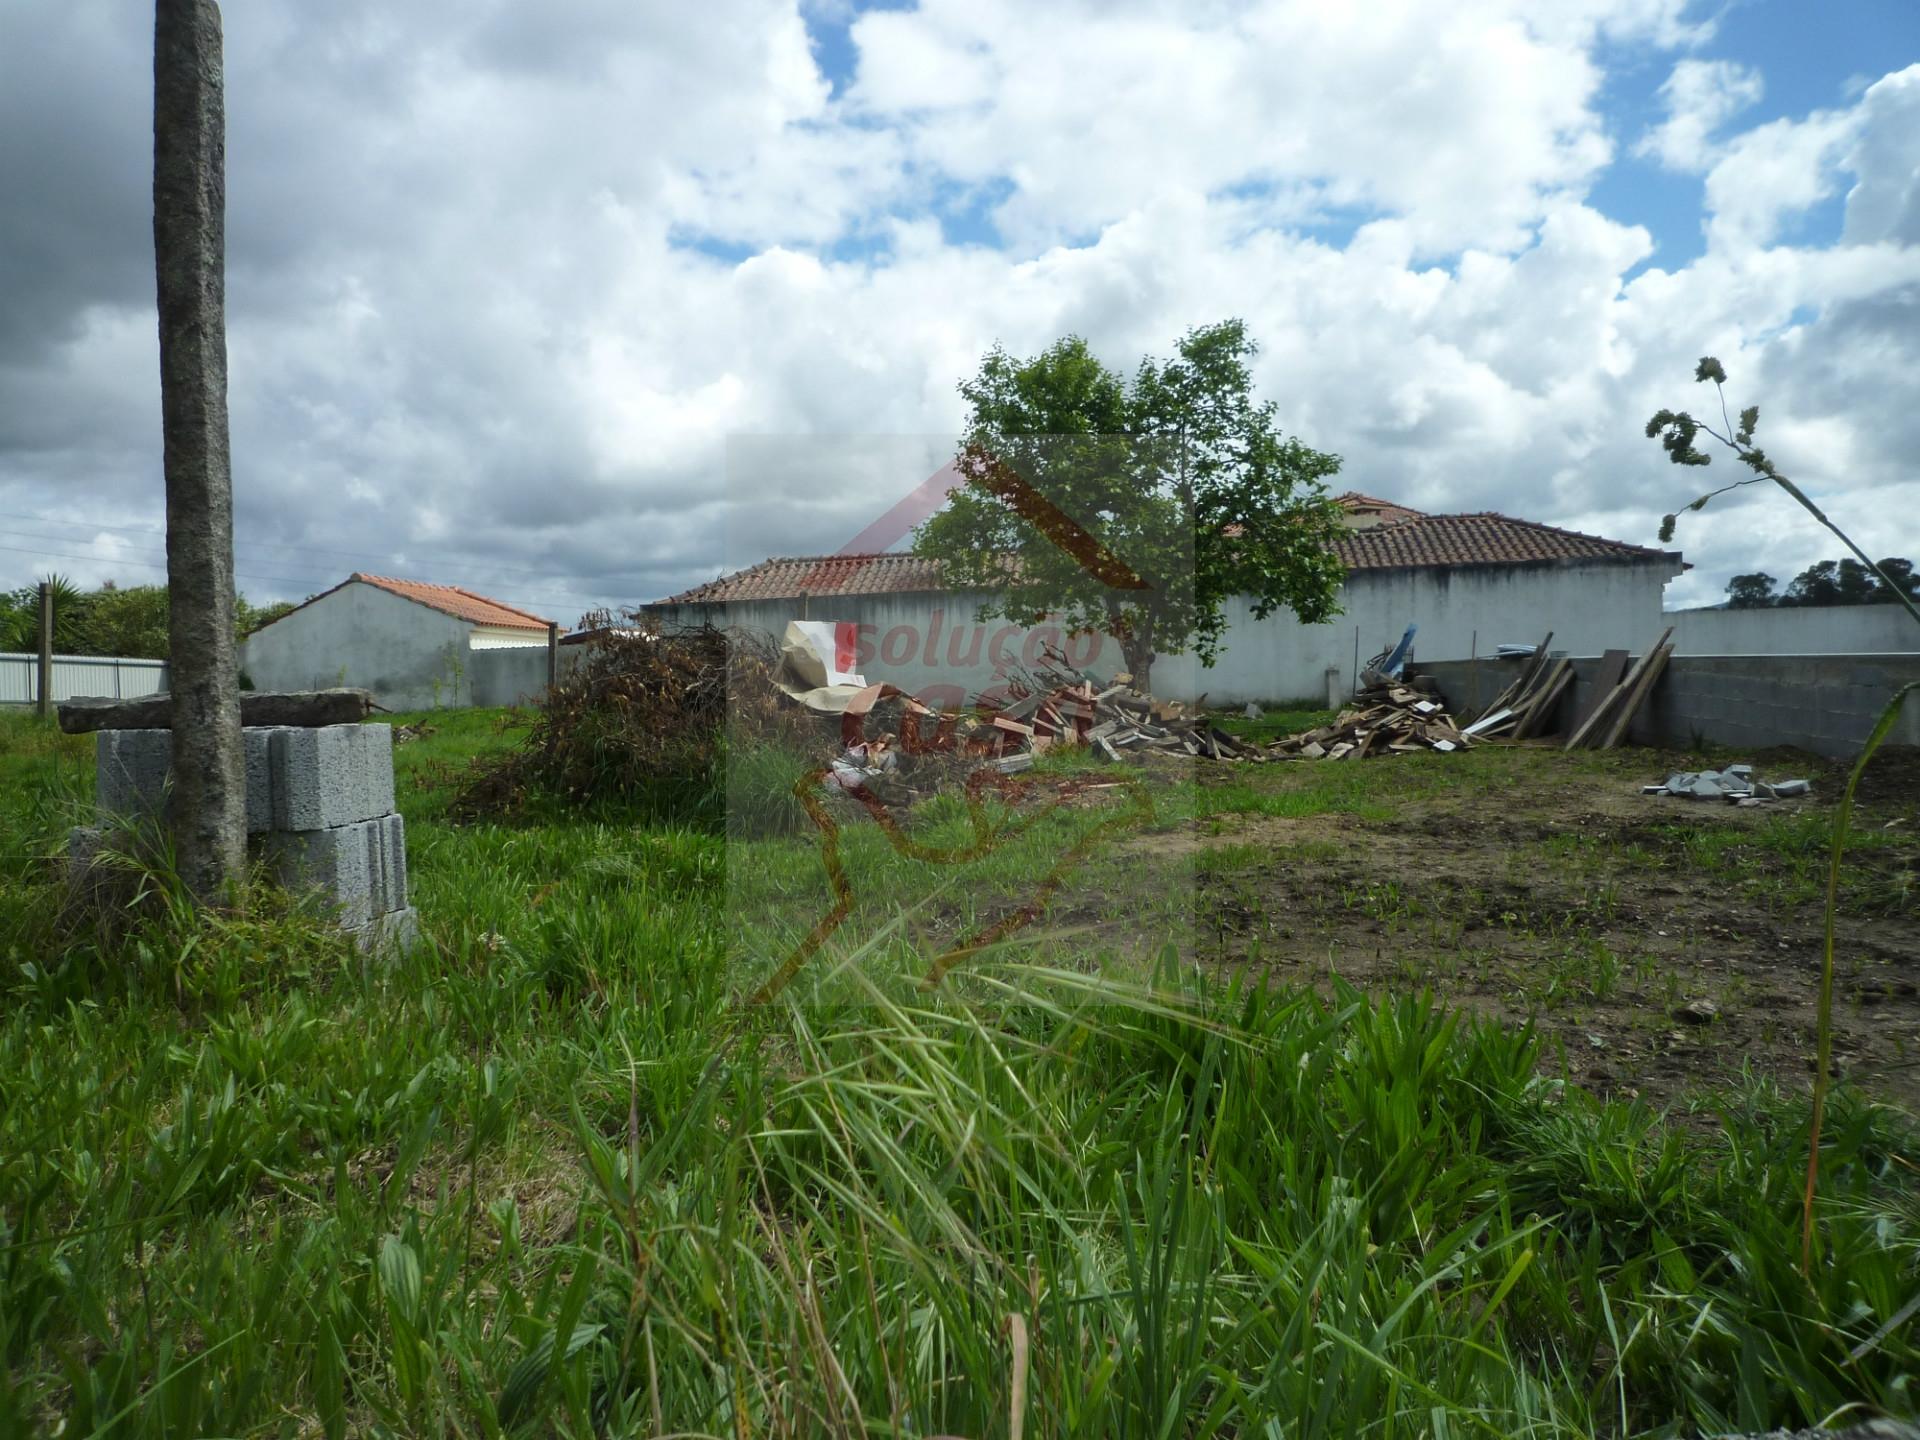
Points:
x=1677 y=432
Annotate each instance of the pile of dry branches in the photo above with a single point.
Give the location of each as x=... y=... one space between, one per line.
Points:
x=638 y=711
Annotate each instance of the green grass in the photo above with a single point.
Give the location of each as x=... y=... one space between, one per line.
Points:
x=544 y=1176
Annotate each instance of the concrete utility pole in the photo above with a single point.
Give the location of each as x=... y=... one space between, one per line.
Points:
x=189 y=249
x=46 y=648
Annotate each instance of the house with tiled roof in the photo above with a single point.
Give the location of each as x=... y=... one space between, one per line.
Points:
x=414 y=643
x=1470 y=582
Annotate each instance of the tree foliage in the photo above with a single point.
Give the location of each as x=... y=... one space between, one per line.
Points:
x=1136 y=508
x=1828 y=582
x=1752 y=592
x=126 y=621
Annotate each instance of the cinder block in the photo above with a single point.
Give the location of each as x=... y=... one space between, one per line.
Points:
x=330 y=775
x=358 y=870
x=130 y=770
x=390 y=935
x=259 y=758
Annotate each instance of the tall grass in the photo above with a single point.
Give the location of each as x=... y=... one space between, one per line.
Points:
x=547 y=1178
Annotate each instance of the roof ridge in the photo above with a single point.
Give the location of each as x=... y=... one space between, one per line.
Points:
x=497 y=604
x=1555 y=529
x=408 y=590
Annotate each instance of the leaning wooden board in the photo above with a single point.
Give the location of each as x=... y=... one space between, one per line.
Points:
x=1643 y=687
x=1613 y=665
x=1627 y=694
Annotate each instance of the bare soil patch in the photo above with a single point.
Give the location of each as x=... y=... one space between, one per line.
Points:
x=1659 y=945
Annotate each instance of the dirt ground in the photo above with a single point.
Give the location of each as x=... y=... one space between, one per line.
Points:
x=1658 y=944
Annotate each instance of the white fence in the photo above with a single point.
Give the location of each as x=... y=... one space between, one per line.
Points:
x=80 y=675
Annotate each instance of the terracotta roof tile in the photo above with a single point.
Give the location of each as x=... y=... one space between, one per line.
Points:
x=454 y=601
x=1416 y=540
x=790 y=577
x=1486 y=538
x=1388 y=510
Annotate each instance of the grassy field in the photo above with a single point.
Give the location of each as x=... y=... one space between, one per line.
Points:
x=1188 y=1151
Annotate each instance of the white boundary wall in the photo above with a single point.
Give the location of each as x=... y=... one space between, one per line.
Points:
x=1812 y=630
x=75 y=675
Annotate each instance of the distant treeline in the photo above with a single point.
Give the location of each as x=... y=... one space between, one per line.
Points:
x=129 y=621
x=1831 y=582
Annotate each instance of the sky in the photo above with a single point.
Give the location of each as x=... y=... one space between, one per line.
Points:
x=578 y=304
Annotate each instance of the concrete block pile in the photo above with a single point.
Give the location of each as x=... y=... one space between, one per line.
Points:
x=319 y=814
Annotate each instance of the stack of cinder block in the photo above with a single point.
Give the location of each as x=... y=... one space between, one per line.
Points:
x=319 y=814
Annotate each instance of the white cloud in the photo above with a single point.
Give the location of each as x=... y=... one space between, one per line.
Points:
x=1700 y=96
x=1885 y=202
x=470 y=340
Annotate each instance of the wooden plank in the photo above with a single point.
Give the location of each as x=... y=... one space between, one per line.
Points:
x=86 y=713
x=1643 y=687
x=1505 y=699
x=1603 y=713
x=1544 y=704
x=1486 y=722
x=1613 y=665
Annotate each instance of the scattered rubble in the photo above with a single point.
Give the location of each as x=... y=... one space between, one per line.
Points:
x=1060 y=705
x=1697 y=1012
x=1386 y=718
x=864 y=762
x=1735 y=784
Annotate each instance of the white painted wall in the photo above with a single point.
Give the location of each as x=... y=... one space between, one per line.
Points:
x=502 y=637
x=1821 y=630
x=410 y=656
x=922 y=641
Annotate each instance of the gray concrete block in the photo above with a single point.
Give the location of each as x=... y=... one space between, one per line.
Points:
x=390 y=935
x=258 y=742
x=359 y=871
x=329 y=776
x=130 y=770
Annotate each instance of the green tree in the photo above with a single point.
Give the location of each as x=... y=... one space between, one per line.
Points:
x=1832 y=582
x=1752 y=592
x=20 y=618
x=1136 y=509
x=1899 y=580
x=130 y=622
x=249 y=618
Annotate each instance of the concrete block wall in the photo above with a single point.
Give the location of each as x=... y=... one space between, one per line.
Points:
x=319 y=812
x=1827 y=704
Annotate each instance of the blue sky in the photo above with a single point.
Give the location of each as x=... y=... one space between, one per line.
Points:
x=510 y=285
x=1809 y=57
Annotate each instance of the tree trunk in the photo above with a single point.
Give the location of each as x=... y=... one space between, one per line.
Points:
x=189 y=249
x=1137 y=649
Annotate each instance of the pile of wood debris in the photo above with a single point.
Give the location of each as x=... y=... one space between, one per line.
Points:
x=1060 y=705
x=1387 y=717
